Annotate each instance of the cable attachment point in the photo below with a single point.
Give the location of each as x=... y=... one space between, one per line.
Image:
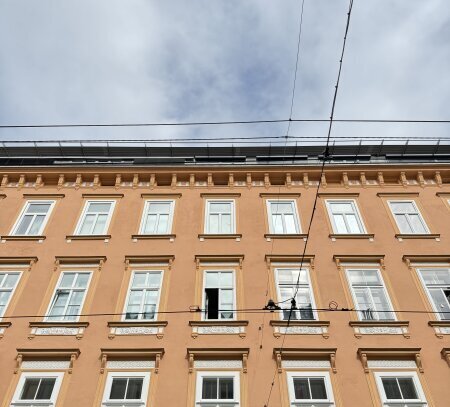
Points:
x=271 y=306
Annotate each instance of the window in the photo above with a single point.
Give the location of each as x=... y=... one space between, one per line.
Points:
x=369 y=295
x=400 y=389
x=437 y=284
x=126 y=389
x=345 y=217
x=8 y=283
x=408 y=218
x=37 y=389
x=218 y=295
x=69 y=297
x=95 y=218
x=310 y=389
x=33 y=218
x=143 y=295
x=220 y=217
x=283 y=217
x=217 y=389
x=288 y=281
x=157 y=218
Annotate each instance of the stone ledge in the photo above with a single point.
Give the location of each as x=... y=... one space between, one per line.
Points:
x=57 y=329
x=222 y=327
x=303 y=327
x=133 y=328
x=380 y=328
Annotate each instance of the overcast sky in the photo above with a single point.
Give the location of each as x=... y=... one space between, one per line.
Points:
x=116 y=61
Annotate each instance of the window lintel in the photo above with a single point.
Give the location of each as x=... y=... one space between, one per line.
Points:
x=305 y=353
x=151 y=196
x=102 y=196
x=195 y=353
x=64 y=353
x=390 y=353
x=398 y=194
x=131 y=353
x=281 y=195
x=339 y=195
x=220 y=195
x=43 y=196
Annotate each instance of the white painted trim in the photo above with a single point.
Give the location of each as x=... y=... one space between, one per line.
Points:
x=106 y=401
x=416 y=381
x=293 y=202
x=218 y=374
x=312 y=374
x=204 y=295
x=427 y=292
x=46 y=318
x=129 y=292
x=356 y=212
x=13 y=288
x=24 y=209
x=145 y=212
x=233 y=214
x=51 y=402
x=84 y=213
x=413 y=202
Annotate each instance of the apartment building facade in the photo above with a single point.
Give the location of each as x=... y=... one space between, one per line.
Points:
x=141 y=277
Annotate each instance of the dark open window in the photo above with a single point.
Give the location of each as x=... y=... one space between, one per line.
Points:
x=212 y=303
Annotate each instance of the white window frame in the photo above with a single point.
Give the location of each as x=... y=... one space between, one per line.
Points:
x=414 y=204
x=288 y=304
x=85 y=211
x=52 y=298
x=421 y=402
x=106 y=401
x=356 y=212
x=293 y=202
x=26 y=375
x=329 y=402
x=236 y=402
x=124 y=316
x=355 y=302
x=233 y=272
x=13 y=289
x=145 y=213
x=425 y=287
x=22 y=214
x=232 y=214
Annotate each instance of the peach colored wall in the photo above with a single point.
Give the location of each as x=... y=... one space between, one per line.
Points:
x=352 y=383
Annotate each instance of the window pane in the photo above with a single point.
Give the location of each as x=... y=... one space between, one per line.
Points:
x=209 y=388
x=318 y=390
x=407 y=388
x=277 y=221
x=301 y=389
x=225 y=226
x=381 y=303
x=417 y=224
x=100 y=225
x=213 y=224
x=134 y=390
x=220 y=207
x=36 y=225
x=67 y=280
x=30 y=389
x=82 y=280
x=282 y=208
x=87 y=225
x=291 y=227
x=391 y=388
x=212 y=280
x=150 y=224
x=341 y=207
x=139 y=280
x=98 y=207
x=4 y=296
x=163 y=224
x=226 y=279
x=45 y=389
x=340 y=224
x=402 y=207
x=38 y=208
x=159 y=207
x=436 y=276
x=10 y=280
x=441 y=302
x=226 y=388
x=118 y=388
x=353 y=224
x=364 y=302
x=23 y=226
x=154 y=280
x=403 y=224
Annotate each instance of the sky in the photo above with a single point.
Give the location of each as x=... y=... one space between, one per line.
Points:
x=140 y=61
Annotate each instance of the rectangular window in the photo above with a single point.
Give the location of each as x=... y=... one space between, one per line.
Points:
x=157 y=218
x=143 y=295
x=95 y=218
x=8 y=283
x=400 y=389
x=437 y=285
x=33 y=218
x=283 y=217
x=219 y=295
x=126 y=389
x=36 y=389
x=217 y=389
x=408 y=218
x=220 y=217
x=69 y=296
x=369 y=295
x=345 y=217
x=310 y=389
x=289 y=282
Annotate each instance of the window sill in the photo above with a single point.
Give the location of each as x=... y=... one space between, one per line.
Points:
x=132 y=328
x=39 y=238
x=303 y=327
x=401 y=236
x=221 y=327
x=135 y=238
x=235 y=236
x=270 y=236
x=106 y=238
x=441 y=328
x=57 y=329
x=361 y=328
x=3 y=327
x=368 y=236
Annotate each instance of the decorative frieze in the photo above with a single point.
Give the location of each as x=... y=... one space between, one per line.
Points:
x=137 y=328
x=218 y=328
x=380 y=328
x=130 y=364
x=228 y=358
x=218 y=364
x=300 y=330
x=45 y=364
x=305 y=364
x=57 y=329
x=391 y=364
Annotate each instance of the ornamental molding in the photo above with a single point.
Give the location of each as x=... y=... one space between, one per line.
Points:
x=130 y=364
x=214 y=355
x=307 y=260
x=325 y=355
x=134 y=354
x=46 y=355
x=305 y=363
x=218 y=364
x=380 y=328
x=220 y=258
x=218 y=328
x=373 y=354
x=344 y=258
x=391 y=364
x=137 y=328
x=45 y=364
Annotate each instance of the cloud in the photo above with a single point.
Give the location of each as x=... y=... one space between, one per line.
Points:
x=111 y=61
